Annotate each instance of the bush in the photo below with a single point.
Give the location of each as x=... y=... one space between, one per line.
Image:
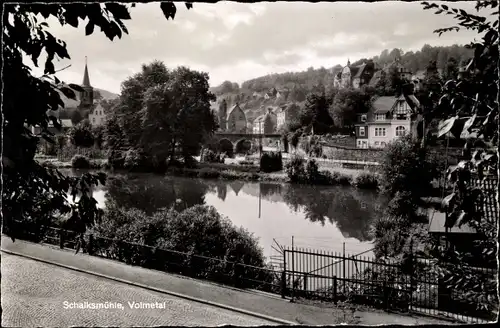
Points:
x=366 y=181
x=209 y=156
x=335 y=178
x=80 y=162
x=81 y=135
x=295 y=169
x=312 y=171
x=406 y=167
x=208 y=173
x=132 y=159
x=198 y=230
x=271 y=162
x=116 y=159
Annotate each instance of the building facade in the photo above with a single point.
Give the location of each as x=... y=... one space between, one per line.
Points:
x=236 y=120
x=265 y=123
x=97 y=117
x=285 y=114
x=388 y=119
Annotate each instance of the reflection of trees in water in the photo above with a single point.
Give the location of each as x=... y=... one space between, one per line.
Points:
x=150 y=193
x=221 y=190
x=351 y=209
x=268 y=190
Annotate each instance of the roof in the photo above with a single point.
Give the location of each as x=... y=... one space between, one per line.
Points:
x=438 y=220
x=235 y=107
x=412 y=101
x=97 y=107
x=375 y=78
x=383 y=104
x=360 y=70
x=86 y=79
x=66 y=123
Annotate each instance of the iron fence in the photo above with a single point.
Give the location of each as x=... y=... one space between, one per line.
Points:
x=411 y=284
x=233 y=272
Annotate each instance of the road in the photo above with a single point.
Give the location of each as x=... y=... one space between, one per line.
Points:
x=34 y=294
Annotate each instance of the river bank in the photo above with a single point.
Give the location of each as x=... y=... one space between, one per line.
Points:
x=338 y=175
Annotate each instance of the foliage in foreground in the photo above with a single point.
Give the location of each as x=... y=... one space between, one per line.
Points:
x=28 y=100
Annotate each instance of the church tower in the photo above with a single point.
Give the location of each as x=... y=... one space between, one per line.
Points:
x=87 y=96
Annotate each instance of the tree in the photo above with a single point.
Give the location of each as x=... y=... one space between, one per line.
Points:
x=451 y=70
x=76 y=117
x=315 y=114
x=32 y=194
x=81 y=135
x=172 y=111
x=470 y=105
x=346 y=105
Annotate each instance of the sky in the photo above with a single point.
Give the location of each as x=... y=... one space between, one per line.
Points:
x=240 y=41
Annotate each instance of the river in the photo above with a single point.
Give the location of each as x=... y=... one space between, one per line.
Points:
x=320 y=218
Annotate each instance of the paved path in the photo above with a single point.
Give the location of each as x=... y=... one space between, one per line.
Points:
x=34 y=294
x=264 y=304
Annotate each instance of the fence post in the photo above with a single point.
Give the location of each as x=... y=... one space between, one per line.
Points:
x=90 y=244
x=335 y=290
x=343 y=266
x=283 y=284
x=386 y=295
x=305 y=282
x=283 y=276
x=61 y=238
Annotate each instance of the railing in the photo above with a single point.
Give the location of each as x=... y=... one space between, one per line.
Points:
x=230 y=272
x=409 y=286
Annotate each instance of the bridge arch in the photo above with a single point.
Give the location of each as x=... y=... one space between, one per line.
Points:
x=242 y=146
x=226 y=146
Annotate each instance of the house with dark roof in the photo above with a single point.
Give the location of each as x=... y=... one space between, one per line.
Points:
x=388 y=118
x=355 y=76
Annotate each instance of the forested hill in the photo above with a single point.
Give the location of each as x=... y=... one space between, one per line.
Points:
x=302 y=83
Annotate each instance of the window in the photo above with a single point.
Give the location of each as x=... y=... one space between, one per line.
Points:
x=400 y=109
x=93 y=120
x=363 y=118
x=400 y=131
x=376 y=143
x=380 y=117
x=379 y=132
x=382 y=144
x=362 y=131
x=364 y=144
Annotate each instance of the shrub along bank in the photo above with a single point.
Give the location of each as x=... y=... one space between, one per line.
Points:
x=210 y=244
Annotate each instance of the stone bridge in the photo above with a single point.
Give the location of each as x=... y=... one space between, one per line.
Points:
x=243 y=142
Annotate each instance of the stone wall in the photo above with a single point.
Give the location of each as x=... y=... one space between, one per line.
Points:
x=352 y=154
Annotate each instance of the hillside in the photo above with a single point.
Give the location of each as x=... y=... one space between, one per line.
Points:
x=71 y=103
x=250 y=95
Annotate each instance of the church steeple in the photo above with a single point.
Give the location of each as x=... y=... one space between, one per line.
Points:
x=87 y=96
x=86 y=79
x=348 y=62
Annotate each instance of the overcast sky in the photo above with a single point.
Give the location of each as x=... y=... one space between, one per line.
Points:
x=237 y=41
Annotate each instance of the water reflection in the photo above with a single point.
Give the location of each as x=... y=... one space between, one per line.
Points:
x=337 y=214
x=150 y=193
